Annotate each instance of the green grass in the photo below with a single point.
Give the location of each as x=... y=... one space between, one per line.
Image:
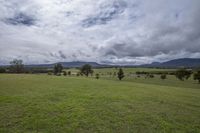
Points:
x=128 y=70
x=171 y=81
x=105 y=71
x=42 y=103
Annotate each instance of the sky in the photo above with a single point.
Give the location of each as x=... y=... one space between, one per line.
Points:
x=122 y=32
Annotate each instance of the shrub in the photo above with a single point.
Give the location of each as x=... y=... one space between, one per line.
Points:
x=86 y=69
x=78 y=74
x=151 y=76
x=182 y=74
x=40 y=70
x=58 y=68
x=2 y=70
x=97 y=76
x=58 y=74
x=114 y=74
x=120 y=74
x=16 y=66
x=69 y=73
x=197 y=76
x=163 y=76
x=49 y=73
x=64 y=73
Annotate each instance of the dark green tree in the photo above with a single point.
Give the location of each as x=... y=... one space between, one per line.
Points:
x=58 y=68
x=197 y=76
x=114 y=74
x=64 y=73
x=120 y=74
x=2 y=70
x=69 y=73
x=86 y=70
x=163 y=76
x=183 y=74
x=16 y=66
x=49 y=73
x=97 y=76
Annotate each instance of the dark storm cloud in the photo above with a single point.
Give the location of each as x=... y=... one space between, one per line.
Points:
x=163 y=41
x=62 y=55
x=168 y=36
x=21 y=19
x=106 y=13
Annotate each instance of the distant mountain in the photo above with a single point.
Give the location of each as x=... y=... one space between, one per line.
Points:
x=79 y=64
x=184 y=62
x=68 y=64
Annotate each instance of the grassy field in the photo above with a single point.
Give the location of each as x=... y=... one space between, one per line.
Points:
x=105 y=71
x=56 y=104
x=128 y=70
x=170 y=81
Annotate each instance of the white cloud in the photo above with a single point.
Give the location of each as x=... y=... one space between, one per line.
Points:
x=115 y=31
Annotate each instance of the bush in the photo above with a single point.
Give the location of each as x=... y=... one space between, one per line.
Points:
x=86 y=70
x=114 y=74
x=58 y=68
x=64 y=73
x=183 y=74
x=149 y=76
x=40 y=70
x=58 y=74
x=49 y=73
x=120 y=74
x=163 y=76
x=69 y=73
x=197 y=76
x=140 y=73
x=78 y=74
x=97 y=76
x=2 y=70
x=16 y=66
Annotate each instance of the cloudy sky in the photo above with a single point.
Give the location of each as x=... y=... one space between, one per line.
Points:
x=104 y=31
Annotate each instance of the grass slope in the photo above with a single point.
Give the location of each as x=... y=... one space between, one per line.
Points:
x=171 y=81
x=41 y=103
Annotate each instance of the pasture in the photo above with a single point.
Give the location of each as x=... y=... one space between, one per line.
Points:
x=49 y=104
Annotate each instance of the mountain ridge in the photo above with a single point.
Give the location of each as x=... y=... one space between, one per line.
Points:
x=175 y=63
x=182 y=62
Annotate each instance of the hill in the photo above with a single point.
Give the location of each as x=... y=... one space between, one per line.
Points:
x=68 y=64
x=184 y=62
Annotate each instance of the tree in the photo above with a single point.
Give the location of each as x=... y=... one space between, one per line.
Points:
x=86 y=70
x=2 y=70
x=16 y=66
x=97 y=76
x=64 y=73
x=114 y=74
x=163 y=76
x=58 y=68
x=78 y=74
x=183 y=74
x=120 y=74
x=69 y=73
x=151 y=76
x=197 y=76
x=49 y=73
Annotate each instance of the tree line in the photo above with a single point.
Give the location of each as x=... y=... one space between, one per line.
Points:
x=17 y=66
